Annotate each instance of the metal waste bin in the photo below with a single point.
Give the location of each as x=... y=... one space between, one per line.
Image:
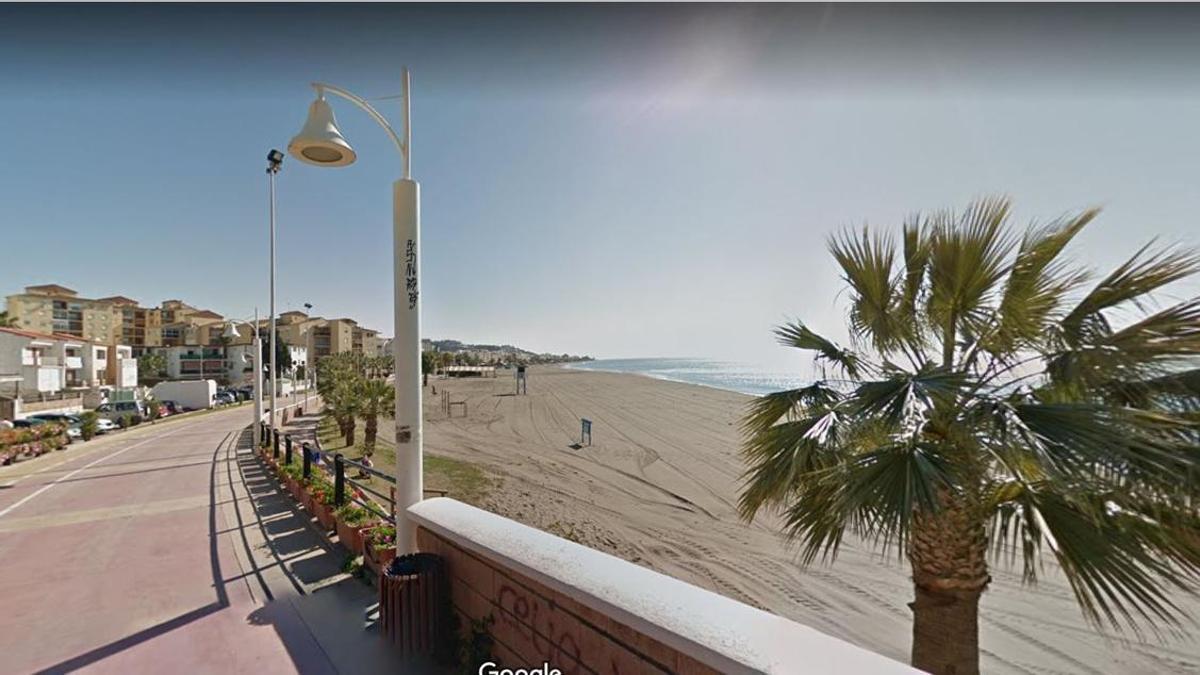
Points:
x=414 y=606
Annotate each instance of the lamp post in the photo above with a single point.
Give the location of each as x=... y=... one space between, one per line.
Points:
x=310 y=366
x=321 y=144
x=274 y=161
x=231 y=332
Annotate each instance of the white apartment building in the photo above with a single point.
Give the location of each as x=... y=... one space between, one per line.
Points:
x=31 y=364
x=232 y=365
x=42 y=372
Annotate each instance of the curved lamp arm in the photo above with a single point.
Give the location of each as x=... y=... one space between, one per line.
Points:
x=401 y=145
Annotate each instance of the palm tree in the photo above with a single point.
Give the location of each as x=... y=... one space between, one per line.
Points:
x=429 y=361
x=991 y=408
x=377 y=398
x=7 y=321
x=339 y=378
x=343 y=403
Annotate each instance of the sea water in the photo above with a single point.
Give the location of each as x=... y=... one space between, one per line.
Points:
x=726 y=375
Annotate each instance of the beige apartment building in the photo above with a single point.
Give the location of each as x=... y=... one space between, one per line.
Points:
x=323 y=337
x=52 y=308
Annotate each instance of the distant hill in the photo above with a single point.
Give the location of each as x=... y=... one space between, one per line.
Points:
x=485 y=353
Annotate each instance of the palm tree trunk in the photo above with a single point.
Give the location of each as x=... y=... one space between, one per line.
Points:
x=351 y=426
x=947 y=552
x=945 y=632
x=369 y=435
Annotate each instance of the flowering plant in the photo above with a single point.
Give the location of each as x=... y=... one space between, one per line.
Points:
x=381 y=536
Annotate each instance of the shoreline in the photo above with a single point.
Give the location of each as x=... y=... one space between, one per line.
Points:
x=659 y=488
x=661 y=378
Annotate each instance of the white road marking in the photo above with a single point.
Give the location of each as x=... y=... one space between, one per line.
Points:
x=88 y=466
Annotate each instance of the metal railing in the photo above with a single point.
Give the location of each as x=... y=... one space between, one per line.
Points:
x=385 y=508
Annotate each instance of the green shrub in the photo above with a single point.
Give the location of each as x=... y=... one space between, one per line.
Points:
x=135 y=420
x=353 y=515
x=125 y=421
x=151 y=409
x=89 y=425
x=294 y=470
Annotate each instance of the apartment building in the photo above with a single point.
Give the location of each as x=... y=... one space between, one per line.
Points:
x=323 y=337
x=40 y=371
x=228 y=365
x=120 y=320
x=51 y=308
x=117 y=319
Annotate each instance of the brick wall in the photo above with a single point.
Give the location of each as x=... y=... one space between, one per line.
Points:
x=532 y=624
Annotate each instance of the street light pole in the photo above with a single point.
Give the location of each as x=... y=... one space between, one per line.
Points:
x=406 y=347
x=257 y=364
x=231 y=333
x=320 y=143
x=274 y=161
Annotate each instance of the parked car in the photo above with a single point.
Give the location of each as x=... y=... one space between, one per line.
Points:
x=172 y=407
x=105 y=425
x=224 y=398
x=117 y=410
x=28 y=422
x=73 y=423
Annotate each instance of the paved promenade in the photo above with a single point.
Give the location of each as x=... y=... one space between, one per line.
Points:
x=166 y=548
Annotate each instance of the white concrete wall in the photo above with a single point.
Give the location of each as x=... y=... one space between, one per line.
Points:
x=721 y=633
x=41 y=375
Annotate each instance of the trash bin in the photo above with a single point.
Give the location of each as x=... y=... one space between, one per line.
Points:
x=414 y=606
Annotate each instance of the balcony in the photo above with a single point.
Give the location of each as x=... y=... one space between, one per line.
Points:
x=197 y=357
x=74 y=362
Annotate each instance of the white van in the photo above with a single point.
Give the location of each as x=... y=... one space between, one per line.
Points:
x=119 y=409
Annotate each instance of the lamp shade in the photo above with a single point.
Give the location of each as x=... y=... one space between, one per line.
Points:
x=230 y=332
x=320 y=142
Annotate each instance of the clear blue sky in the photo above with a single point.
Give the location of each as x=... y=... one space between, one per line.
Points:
x=612 y=180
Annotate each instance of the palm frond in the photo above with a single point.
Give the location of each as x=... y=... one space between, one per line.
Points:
x=799 y=336
x=968 y=259
x=866 y=261
x=886 y=485
x=1177 y=392
x=765 y=411
x=1144 y=272
x=904 y=401
x=1037 y=284
x=916 y=262
x=1152 y=347
x=1121 y=565
x=1075 y=440
x=782 y=458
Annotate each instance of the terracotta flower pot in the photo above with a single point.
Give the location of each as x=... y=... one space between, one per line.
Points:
x=378 y=558
x=351 y=538
x=306 y=499
x=324 y=514
x=297 y=490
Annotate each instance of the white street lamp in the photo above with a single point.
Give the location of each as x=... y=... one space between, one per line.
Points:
x=231 y=332
x=320 y=143
x=274 y=161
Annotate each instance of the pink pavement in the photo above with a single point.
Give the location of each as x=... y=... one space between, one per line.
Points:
x=129 y=565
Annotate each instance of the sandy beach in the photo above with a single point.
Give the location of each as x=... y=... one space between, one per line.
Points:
x=659 y=486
